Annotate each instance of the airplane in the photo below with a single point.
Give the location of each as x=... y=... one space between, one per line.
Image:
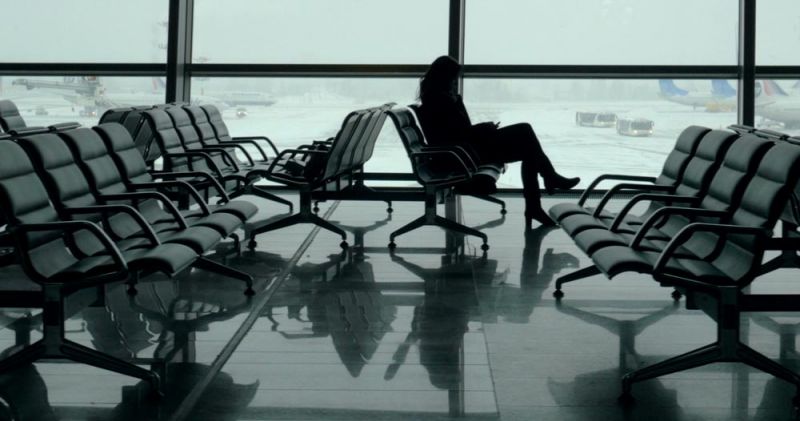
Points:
x=775 y=104
x=722 y=96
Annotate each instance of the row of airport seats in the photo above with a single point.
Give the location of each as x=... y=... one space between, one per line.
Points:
x=191 y=138
x=12 y=123
x=709 y=221
x=79 y=221
x=194 y=141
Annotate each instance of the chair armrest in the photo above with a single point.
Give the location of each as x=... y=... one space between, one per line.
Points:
x=621 y=177
x=462 y=154
x=427 y=153
x=255 y=138
x=671 y=210
x=624 y=187
x=128 y=210
x=72 y=226
x=182 y=185
x=248 y=142
x=230 y=160
x=760 y=234
x=691 y=200
x=233 y=145
x=194 y=174
x=211 y=164
x=292 y=152
x=168 y=205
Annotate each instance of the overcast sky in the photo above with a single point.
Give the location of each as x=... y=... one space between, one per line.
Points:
x=407 y=31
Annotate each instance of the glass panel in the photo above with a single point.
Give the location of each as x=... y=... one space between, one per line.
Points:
x=778 y=105
x=645 y=32
x=297 y=111
x=591 y=127
x=778 y=33
x=47 y=100
x=320 y=31
x=84 y=31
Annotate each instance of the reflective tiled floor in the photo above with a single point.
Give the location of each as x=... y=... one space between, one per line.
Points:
x=432 y=331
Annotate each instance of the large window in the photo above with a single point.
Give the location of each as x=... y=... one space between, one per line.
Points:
x=591 y=127
x=320 y=31
x=778 y=33
x=108 y=31
x=646 y=32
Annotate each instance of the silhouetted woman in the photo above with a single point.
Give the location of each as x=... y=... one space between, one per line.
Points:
x=445 y=121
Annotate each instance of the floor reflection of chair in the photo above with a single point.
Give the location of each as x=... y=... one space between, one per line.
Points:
x=227 y=400
x=777 y=395
x=439 y=324
x=585 y=386
x=344 y=302
x=516 y=303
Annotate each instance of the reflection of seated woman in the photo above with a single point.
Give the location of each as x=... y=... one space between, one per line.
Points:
x=445 y=121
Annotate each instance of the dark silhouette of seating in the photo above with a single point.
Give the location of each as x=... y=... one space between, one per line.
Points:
x=671 y=173
x=315 y=167
x=438 y=170
x=47 y=252
x=730 y=178
x=73 y=197
x=737 y=242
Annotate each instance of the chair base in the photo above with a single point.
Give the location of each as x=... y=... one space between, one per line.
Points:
x=304 y=216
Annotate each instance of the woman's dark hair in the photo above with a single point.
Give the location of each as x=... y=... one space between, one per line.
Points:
x=439 y=77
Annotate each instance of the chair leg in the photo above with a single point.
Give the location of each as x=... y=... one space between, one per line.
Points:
x=281 y=223
x=262 y=193
x=24 y=356
x=574 y=276
x=318 y=221
x=212 y=266
x=492 y=199
x=419 y=222
x=451 y=225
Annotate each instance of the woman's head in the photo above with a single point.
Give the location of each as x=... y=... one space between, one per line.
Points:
x=442 y=76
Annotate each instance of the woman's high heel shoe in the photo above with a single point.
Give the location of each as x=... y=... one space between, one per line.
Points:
x=556 y=182
x=540 y=216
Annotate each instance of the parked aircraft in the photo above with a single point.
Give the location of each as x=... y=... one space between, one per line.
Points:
x=721 y=97
x=774 y=103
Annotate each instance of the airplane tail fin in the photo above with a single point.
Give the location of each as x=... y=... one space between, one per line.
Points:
x=721 y=88
x=771 y=88
x=668 y=88
x=158 y=84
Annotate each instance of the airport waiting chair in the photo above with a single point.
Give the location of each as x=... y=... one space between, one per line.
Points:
x=73 y=197
x=208 y=136
x=310 y=168
x=483 y=174
x=222 y=156
x=437 y=169
x=691 y=184
x=674 y=167
x=716 y=284
x=134 y=170
x=10 y=118
x=48 y=257
x=223 y=135
x=104 y=177
x=729 y=181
